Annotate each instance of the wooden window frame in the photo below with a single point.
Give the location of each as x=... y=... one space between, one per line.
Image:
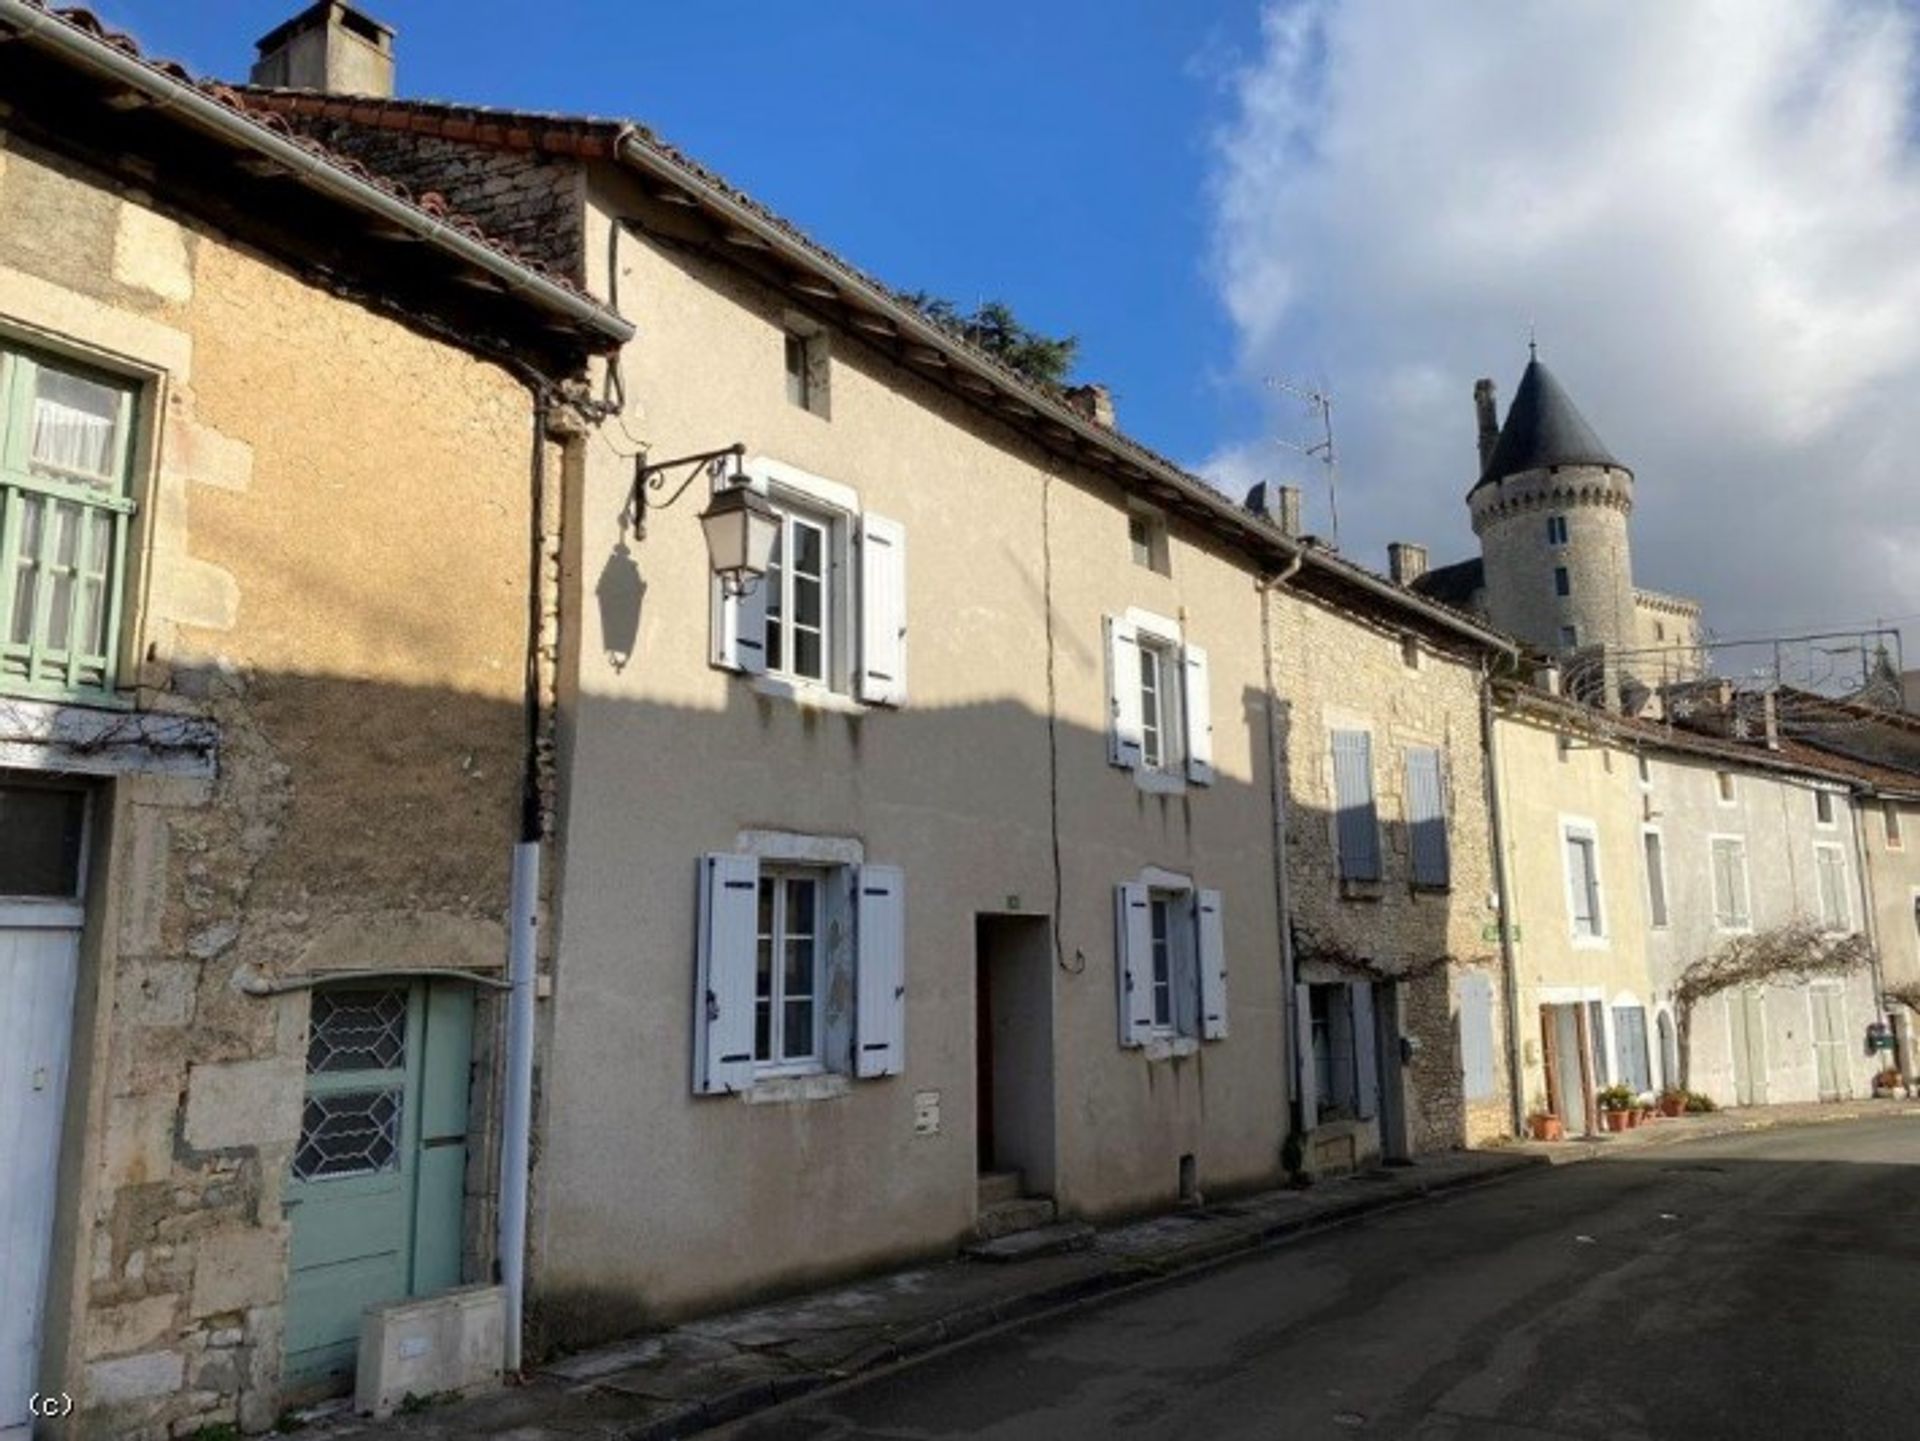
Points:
x=776 y=1062
x=30 y=667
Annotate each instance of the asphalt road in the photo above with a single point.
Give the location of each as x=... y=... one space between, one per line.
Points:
x=1762 y=1285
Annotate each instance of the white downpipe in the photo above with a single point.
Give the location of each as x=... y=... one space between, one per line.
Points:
x=516 y=1129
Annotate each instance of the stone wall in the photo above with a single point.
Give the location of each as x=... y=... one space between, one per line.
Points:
x=533 y=202
x=1334 y=671
x=329 y=563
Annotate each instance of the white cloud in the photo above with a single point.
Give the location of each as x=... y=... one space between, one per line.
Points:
x=1712 y=212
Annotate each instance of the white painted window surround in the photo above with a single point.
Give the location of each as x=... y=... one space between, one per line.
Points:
x=1586 y=895
x=1170 y=964
x=827 y=626
x=1159 y=703
x=854 y=932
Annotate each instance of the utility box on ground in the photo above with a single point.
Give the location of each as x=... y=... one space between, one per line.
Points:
x=428 y=1348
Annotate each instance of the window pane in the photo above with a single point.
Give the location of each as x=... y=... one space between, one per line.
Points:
x=806 y=601
x=40 y=833
x=798 y=1034
x=809 y=549
x=357 y=1030
x=74 y=425
x=808 y=660
x=66 y=548
x=776 y=595
x=26 y=584
x=356 y=1134
x=1149 y=706
x=800 y=902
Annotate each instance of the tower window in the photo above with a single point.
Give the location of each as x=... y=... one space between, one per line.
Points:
x=1556 y=530
x=1569 y=637
x=1562 y=582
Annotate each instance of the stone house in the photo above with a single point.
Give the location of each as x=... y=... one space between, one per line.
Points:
x=933 y=885
x=266 y=530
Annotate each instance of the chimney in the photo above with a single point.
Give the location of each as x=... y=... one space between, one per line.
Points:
x=1486 y=410
x=1095 y=402
x=1278 y=505
x=1406 y=562
x=329 y=46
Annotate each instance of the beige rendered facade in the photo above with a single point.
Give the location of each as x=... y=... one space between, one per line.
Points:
x=295 y=758
x=986 y=784
x=1575 y=844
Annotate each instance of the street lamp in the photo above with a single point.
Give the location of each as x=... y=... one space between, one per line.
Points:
x=741 y=527
x=741 y=530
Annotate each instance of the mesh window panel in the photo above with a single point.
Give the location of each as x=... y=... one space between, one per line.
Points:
x=357 y=1031
x=353 y=1133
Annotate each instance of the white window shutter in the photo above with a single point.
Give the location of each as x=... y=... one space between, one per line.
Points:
x=883 y=611
x=880 y=972
x=1199 y=707
x=1133 y=961
x=723 y=989
x=1213 y=966
x=739 y=629
x=1123 y=693
x=1366 y=1064
x=1303 y=1056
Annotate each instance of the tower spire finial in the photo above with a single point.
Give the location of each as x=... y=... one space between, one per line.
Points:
x=1533 y=347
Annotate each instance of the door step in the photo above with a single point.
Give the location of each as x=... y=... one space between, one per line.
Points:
x=1042 y=1241
x=1004 y=1218
x=998 y=1186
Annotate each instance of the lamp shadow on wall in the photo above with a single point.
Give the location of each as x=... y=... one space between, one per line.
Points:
x=620 y=593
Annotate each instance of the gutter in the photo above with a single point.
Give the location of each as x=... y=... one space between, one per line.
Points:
x=48 y=31
x=632 y=146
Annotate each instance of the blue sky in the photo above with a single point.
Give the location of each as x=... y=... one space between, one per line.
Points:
x=1708 y=210
x=1054 y=156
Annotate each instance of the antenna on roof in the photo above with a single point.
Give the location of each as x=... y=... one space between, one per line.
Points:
x=1319 y=403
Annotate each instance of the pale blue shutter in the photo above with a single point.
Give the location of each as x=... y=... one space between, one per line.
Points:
x=1476 y=1036
x=880 y=972
x=1133 y=961
x=1124 y=722
x=723 y=989
x=1213 y=966
x=1427 y=817
x=1357 y=827
x=1631 y=1062
x=1304 y=1074
x=1366 y=1057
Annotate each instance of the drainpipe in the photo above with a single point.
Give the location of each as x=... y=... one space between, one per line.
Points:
x=516 y=1125
x=1871 y=922
x=1277 y=794
x=1509 y=971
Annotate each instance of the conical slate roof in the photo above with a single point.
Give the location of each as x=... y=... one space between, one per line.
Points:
x=1543 y=427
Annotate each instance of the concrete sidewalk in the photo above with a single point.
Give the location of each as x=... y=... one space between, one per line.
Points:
x=679 y=1382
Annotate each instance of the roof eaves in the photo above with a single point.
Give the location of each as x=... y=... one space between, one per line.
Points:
x=80 y=38
x=642 y=150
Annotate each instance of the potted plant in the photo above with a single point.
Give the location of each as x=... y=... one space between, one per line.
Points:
x=1887 y=1082
x=1699 y=1104
x=1673 y=1101
x=1616 y=1104
x=1545 y=1126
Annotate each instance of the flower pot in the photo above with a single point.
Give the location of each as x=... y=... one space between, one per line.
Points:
x=1633 y=1118
x=1547 y=1128
x=1673 y=1105
x=1616 y=1120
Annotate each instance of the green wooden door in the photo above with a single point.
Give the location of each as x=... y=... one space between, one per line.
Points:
x=376 y=1180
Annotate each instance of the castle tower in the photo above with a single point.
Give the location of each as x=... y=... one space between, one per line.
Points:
x=1551 y=509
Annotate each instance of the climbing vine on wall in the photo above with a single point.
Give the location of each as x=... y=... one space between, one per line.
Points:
x=1795 y=951
x=1311 y=947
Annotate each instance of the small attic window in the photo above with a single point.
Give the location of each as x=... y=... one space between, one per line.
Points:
x=809 y=367
x=1147 y=537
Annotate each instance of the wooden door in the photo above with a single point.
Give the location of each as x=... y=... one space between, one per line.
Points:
x=377 y=1178
x=1747 y=1021
x=1829 y=1042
